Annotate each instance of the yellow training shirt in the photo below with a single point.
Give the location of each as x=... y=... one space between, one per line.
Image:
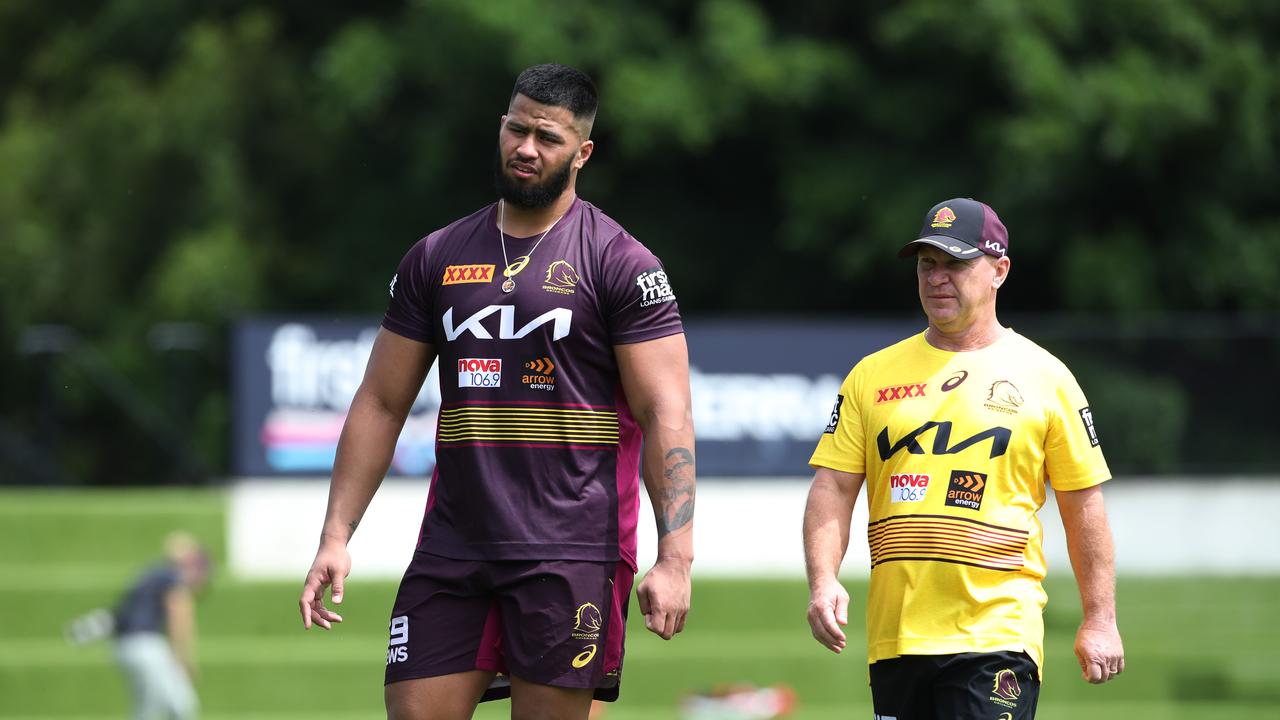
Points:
x=957 y=448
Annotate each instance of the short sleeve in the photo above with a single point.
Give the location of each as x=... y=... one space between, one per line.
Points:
x=638 y=301
x=409 y=311
x=843 y=443
x=1073 y=453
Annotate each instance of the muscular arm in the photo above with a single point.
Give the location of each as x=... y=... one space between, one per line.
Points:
x=1098 y=644
x=827 y=515
x=392 y=379
x=655 y=377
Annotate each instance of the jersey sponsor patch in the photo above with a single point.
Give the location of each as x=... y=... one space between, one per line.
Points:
x=561 y=320
x=479 y=372
x=1000 y=437
x=458 y=274
x=539 y=375
x=655 y=288
x=899 y=392
x=396 y=650
x=908 y=487
x=1086 y=416
x=965 y=489
x=834 y=422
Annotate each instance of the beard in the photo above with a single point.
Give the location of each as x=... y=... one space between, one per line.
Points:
x=530 y=195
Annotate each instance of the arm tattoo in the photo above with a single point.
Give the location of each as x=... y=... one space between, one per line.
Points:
x=353 y=525
x=676 y=496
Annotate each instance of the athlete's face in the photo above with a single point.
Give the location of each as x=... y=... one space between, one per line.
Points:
x=956 y=293
x=540 y=150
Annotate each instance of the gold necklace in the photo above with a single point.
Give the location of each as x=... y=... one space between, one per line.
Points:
x=513 y=269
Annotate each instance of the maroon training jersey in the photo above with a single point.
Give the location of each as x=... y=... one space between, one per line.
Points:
x=537 y=455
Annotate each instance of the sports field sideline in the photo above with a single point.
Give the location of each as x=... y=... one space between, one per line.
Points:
x=1200 y=648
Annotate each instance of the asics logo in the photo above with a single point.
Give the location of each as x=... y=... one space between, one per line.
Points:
x=584 y=657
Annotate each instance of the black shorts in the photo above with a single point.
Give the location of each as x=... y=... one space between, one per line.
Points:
x=552 y=622
x=967 y=686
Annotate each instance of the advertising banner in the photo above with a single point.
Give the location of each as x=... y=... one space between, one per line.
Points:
x=763 y=390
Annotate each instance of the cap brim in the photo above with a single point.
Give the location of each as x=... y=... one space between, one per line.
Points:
x=949 y=245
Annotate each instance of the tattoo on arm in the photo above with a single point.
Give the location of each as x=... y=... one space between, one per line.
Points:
x=678 y=494
x=353 y=525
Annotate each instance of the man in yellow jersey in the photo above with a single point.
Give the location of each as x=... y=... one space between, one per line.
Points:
x=958 y=432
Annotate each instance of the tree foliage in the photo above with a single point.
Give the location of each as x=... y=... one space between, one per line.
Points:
x=197 y=161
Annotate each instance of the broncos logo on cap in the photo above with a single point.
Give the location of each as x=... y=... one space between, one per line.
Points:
x=944 y=217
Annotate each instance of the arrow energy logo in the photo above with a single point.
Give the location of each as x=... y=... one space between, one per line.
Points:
x=965 y=489
x=541 y=375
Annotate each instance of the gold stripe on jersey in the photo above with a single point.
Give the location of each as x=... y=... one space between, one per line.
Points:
x=944 y=538
x=516 y=424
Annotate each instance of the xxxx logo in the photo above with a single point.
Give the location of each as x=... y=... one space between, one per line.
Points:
x=456 y=274
x=899 y=392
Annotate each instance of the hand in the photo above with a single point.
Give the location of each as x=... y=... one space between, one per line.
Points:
x=331 y=566
x=1100 y=652
x=664 y=597
x=828 y=610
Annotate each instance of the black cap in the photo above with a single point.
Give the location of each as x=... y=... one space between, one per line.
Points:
x=962 y=228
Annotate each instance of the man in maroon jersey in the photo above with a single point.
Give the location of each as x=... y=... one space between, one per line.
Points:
x=560 y=347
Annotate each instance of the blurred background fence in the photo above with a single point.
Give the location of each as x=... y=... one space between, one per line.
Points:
x=1183 y=396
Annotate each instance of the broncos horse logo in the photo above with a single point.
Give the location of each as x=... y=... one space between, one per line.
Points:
x=1006 y=687
x=587 y=619
x=1004 y=393
x=561 y=274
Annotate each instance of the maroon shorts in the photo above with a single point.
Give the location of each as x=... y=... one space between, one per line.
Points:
x=552 y=622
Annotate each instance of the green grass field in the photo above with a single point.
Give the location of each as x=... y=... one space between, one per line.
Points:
x=1197 y=647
